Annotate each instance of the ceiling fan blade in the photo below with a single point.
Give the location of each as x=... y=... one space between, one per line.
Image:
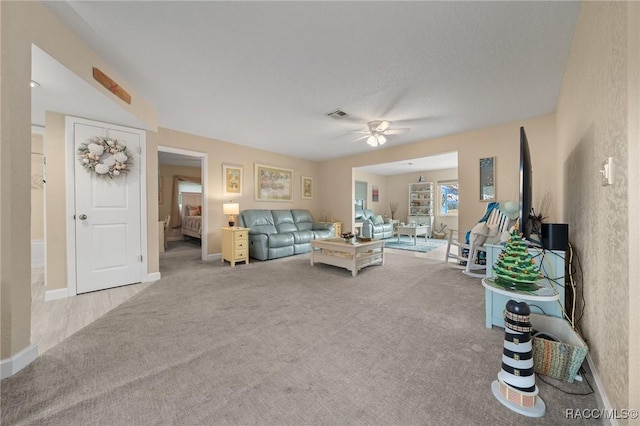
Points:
x=395 y=131
x=384 y=125
x=362 y=137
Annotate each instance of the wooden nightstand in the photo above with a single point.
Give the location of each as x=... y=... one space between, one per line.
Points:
x=235 y=245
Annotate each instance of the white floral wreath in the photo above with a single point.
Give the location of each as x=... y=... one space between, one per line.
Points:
x=105 y=157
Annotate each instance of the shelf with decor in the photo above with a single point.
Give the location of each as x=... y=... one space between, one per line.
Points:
x=421 y=198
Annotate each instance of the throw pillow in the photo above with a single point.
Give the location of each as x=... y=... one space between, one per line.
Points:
x=194 y=210
x=377 y=219
x=479 y=233
x=493 y=236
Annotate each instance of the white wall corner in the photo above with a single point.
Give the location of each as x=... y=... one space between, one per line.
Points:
x=154 y=276
x=37 y=253
x=59 y=293
x=10 y=366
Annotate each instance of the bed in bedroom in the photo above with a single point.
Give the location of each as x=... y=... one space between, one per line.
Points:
x=192 y=214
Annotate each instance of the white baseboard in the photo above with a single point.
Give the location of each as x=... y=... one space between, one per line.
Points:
x=59 y=293
x=214 y=256
x=601 y=394
x=10 y=366
x=154 y=276
x=37 y=253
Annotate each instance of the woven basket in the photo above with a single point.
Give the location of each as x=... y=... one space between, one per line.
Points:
x=560 y=360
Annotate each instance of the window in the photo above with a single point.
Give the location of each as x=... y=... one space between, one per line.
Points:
x=448 y=191
x=184 y=186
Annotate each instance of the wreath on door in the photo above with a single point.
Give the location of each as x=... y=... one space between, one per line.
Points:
x=105 y=157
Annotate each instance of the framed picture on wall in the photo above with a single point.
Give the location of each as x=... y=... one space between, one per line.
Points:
x=307 y=188
x=273 y=183
x=231 y=180
x=375 y=194
x=487 y=179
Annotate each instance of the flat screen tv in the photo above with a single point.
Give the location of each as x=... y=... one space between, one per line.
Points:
x=525 y=186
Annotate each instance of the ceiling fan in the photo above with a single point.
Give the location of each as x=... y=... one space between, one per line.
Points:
x=376 y=132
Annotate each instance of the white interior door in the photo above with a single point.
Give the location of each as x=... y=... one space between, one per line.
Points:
x=108 y=215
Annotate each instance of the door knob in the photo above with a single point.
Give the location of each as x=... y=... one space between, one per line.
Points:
x=82 y=217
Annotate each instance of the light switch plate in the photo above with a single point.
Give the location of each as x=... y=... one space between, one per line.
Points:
x=607 y=171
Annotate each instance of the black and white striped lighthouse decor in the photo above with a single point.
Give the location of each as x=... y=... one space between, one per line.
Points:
x=516 y=385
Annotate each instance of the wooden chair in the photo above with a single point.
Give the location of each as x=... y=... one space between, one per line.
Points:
x=469 y=247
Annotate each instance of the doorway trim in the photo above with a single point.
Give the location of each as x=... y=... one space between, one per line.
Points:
x=204 y=173
x=70 y=198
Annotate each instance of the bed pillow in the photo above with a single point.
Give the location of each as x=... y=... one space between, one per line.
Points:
x=194 y=210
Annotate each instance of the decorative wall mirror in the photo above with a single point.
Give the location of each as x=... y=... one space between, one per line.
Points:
x=487 y=179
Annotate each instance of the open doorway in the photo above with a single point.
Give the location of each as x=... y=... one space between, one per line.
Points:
x=182 y=207
x=385 y=188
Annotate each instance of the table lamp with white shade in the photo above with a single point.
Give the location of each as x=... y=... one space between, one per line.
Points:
x=231 y=209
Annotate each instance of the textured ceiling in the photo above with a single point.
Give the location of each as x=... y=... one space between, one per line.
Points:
x=264 y=74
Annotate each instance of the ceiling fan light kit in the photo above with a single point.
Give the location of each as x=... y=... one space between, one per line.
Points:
x=376 y=139
x=375 y=134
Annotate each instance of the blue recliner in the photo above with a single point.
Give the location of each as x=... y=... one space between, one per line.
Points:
x=373 y=226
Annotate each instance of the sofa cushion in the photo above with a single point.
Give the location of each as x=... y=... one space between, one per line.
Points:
x=322 y=234
x=280 y=240
x=303 y=219
x=377 y=219
x=258 y=221
x=283 y=220
x=300 y=237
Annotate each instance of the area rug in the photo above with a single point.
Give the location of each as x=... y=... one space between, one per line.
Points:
x=406 y=243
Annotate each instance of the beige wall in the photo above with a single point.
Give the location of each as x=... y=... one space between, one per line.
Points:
x=37 y=187
x=56 y=202
x=499 y=141
x=381 y=206
x=219 y=153
x=593 y=121
x=633 y=70
x=15 y=188
x=24 y=24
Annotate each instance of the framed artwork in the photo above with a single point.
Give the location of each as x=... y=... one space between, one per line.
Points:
x=307 y=188
x=273 y=183
x=487 y=179
x=160 y=190
x=231 y=180
x=375 y=193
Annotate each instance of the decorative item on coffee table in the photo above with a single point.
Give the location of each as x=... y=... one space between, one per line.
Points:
x=347 y=237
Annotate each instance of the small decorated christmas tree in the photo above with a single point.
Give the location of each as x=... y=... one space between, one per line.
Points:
x=515 y=267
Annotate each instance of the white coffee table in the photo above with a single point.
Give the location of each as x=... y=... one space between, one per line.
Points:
x=351 y=256
x=413 y=231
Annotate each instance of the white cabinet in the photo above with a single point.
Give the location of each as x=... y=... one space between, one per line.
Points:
x=552 y=267
x=421 y=199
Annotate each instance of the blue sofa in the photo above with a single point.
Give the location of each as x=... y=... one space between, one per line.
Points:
x=373 y=225
x=280 y=233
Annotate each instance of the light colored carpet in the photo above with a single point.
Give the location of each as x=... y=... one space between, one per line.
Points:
x=282 y=343
x=423 y=245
